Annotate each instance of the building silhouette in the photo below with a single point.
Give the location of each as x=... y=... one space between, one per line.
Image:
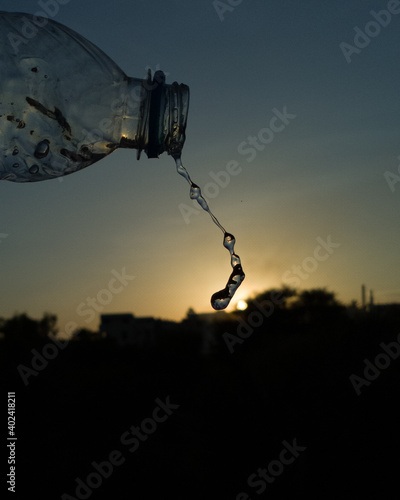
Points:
x=125 y=329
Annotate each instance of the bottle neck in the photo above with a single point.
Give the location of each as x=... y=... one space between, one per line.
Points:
x=155 y=116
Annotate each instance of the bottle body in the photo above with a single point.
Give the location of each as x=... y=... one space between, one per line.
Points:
x=64 y=104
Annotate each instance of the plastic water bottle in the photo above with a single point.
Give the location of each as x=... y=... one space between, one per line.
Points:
x=64 y=104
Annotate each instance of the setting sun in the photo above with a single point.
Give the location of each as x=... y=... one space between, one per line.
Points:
x=241 y=305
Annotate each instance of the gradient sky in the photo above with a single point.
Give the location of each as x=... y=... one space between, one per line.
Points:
x=321 y=175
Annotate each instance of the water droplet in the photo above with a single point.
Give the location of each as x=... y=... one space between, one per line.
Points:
x=42 y=149
x=194 y=191
x=15 y=152
x=229 y=241
x=204 y=205
x=219 y=300
x=16 y=165
x=235 y=260
x=34 y=169
x=182 y=170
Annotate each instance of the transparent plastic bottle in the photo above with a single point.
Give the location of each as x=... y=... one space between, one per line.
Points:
x=64 y=104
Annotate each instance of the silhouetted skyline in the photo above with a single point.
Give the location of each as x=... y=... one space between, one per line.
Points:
x=209 y=409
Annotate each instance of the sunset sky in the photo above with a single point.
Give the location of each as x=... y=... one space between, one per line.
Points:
x=293 y=135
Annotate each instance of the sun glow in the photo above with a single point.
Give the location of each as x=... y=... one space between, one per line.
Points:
x=241 y=305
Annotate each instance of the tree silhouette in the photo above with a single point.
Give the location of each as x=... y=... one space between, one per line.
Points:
x=47 y=325
x=318 y=305
x=316 y=298
x=23 y=329
x=191 y=314
x=276 y=298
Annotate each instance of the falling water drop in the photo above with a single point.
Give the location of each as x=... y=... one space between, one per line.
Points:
x=219 y=300
x=229 y=241
x=195 y=191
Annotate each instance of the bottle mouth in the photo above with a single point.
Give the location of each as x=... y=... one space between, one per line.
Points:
x=166 y=113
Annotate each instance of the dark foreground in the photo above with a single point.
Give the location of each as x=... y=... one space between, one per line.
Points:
x=278 y=418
